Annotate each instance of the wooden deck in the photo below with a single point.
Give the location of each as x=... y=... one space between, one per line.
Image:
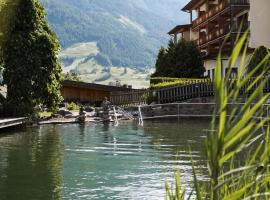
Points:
x=11 y=122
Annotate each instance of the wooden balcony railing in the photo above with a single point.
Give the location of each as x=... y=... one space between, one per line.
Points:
x=240 y=28
x=202 y=40
x=214 y=34
x=240 y=2
x=217 y=9
x=222 y=31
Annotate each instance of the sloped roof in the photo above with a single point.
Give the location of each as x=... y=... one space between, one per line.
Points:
x=93 y=86
x=180 y=29
x=190 y=5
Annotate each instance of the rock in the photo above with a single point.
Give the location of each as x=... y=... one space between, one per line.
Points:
x=57 y=116
x=62 y=105
x=69 y=116
x=82 y=113
x=89 y=109
x=81 y=119
x=63 y=112
x=91 y=114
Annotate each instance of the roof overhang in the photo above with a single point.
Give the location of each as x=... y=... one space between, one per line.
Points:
x=191 y=5
x=92 y=86
x=180 y=29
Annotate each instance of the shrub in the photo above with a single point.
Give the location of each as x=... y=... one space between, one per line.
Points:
x=72 y=106
x=157 y=80
x=161 y=82
x=151 y=98
x=72 y=76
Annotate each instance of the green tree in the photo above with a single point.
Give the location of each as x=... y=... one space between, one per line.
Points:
x=160 y=63
x=170 y=59
x=189 y=63
x=180 y=60
x=7 y=15
x=71 y=76
x=257 y=57
x=32 y=71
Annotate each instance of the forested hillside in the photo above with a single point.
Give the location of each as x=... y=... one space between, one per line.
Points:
x=126 y=32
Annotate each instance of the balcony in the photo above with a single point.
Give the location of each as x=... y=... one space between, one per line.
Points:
x=215 y=34
x=203 y=39
x=220 y=8
x=221 y=32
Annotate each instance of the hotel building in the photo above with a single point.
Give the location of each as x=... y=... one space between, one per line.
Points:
x=213 y=21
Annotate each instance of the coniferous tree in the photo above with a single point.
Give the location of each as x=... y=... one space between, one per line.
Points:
x=32 y=72
x=170 y=59
x=257 y=57
x=180 y=60
x=191 y=61
x=160 y=62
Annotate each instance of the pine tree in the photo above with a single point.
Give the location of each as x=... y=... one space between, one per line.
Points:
x=32 y=71
x=192 y=66
x=257 y=57
x=180 y=60
x=160 y=63
x=170 y=59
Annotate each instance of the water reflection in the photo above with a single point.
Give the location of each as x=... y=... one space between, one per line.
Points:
x=82 y=132
x=98 y=161
x=32 y=168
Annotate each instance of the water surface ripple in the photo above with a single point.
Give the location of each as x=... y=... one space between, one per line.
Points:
x=98 y=161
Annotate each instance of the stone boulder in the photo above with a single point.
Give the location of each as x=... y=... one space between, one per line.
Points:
x=88 y=109
x=56 y=116
x=64 y=112
x=69 y=116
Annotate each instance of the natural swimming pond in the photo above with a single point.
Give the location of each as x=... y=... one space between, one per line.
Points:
x=98 y=161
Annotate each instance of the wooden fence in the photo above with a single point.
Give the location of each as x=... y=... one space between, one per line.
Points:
x=179 y=93
x=204 y=89
x=136 y=97
x=184 y=92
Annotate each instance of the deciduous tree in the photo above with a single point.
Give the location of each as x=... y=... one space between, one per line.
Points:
x=7 y=13
x=32 y=72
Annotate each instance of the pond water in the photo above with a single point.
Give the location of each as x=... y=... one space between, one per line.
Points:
x=98 y=161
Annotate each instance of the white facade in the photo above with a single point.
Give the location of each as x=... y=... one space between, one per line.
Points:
x=210 y=65
x=259 y=17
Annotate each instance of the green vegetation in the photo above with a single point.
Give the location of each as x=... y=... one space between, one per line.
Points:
x=160 y=82
x=235 y=130
x=258 y=55
x=44 y=114
x=180 y=60
x=151 y=98
x=72 y=106
x=71 y=76
x=7 y=15
x=32 y=72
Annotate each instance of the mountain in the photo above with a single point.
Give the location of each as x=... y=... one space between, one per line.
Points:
x=120 y=33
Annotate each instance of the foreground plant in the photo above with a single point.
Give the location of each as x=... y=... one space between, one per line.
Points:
x=237 y=147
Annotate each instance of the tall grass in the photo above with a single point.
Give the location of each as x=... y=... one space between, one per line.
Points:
x=235 y=132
